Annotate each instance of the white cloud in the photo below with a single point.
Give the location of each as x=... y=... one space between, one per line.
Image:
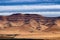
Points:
x=28 y=7
x=47 y=14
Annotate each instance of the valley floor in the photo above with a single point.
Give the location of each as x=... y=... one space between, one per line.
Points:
x=21 y=33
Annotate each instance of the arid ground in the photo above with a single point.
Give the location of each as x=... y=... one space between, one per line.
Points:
x=29 y=26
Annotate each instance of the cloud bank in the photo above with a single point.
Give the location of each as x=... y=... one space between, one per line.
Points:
x=30 y=8
x=47 y=14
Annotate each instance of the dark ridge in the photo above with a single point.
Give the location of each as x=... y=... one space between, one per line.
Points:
x=16 y=14
x=36 y=17
x=1 y=18
x=27 y=18
x=15 y=17
x=32 y=16
x=58 y=17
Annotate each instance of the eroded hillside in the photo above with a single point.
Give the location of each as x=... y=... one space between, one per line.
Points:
x=29 y=22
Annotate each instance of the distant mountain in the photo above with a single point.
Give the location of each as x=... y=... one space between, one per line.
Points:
x=19 y=16
x=38 y=21
x=25 y=16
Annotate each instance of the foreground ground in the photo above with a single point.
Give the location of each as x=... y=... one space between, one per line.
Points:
x=33 y=35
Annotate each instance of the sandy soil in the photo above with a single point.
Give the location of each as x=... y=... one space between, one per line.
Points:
x=22 y=33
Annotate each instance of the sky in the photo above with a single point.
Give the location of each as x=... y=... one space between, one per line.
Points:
x=44 y=7
x=27 y=2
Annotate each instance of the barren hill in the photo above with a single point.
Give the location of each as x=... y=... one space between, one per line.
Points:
x=36 y=20
x=29 y=24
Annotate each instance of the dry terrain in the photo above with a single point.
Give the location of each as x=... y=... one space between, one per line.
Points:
x=29 y=26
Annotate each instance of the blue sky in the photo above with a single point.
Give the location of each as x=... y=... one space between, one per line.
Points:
x=9 y=6
x=28 y=2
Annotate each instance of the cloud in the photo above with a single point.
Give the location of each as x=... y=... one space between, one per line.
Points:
x=47 y=14
x=30 y=8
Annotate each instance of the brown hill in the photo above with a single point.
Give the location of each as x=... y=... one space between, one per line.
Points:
x=36 y=22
